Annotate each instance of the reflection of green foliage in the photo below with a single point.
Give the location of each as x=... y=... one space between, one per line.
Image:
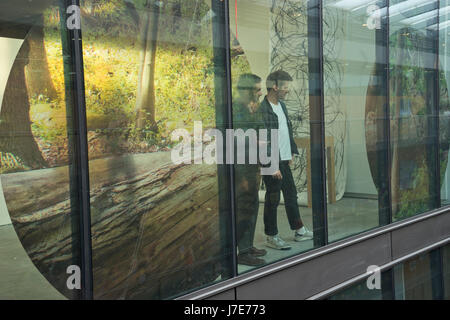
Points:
x=184 y=77
x=239 y=66
x=407 y=64
x=409 y=49
x=422 y=112
x=48 y=119
x=416 y=200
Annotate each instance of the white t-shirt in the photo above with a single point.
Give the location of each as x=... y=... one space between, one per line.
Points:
x=284 y=143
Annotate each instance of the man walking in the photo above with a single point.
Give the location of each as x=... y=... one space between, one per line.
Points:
x=275 y=116
x=247 y=177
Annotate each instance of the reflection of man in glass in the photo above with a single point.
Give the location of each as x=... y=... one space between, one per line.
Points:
x=247 y=177
x=275 y=116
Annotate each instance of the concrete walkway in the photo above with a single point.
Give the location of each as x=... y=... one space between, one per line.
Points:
x=19 y=278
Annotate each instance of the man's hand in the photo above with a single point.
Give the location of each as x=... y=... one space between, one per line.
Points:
x=277 y=175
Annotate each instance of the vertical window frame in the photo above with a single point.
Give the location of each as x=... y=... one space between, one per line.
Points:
x=317 y=122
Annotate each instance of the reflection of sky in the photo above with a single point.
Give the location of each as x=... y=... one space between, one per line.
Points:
x=420 y=15
x=405 y=13
x=359 y=40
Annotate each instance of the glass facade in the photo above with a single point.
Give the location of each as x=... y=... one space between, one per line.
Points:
x=358 y=291
x=152 y=148
x=413 y=58
x=419 y=278
x=354 y=47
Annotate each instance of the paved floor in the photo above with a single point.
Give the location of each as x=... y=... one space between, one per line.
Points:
x=346 y=217
x=19 y=278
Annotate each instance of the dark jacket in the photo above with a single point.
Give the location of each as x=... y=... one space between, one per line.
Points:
x=243 y=119
x=271 y=122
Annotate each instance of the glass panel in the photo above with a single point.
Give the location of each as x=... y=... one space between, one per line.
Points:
x=39 y=215
x=355 y=115
x=359 y=291
x=413 y=97
x=414 y=279
x=446 y=271
x=444 y=105
x=270 y=91
x=417 y=279
x=159 y=223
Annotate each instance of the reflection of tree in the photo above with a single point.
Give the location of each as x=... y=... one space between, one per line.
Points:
x=38 y=77
x=15 y=125
x=398 y=90
x=153 y=18
x=145 y=101
x=289 y=43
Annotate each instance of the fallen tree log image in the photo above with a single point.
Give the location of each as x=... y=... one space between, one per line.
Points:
x=155 y=225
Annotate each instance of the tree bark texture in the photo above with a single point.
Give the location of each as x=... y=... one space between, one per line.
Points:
x=155 y=225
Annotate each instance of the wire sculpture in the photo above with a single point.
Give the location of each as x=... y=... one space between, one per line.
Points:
x=289 y=52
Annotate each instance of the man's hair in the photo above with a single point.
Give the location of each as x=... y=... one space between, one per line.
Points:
x=247 y=81
x=276 y=77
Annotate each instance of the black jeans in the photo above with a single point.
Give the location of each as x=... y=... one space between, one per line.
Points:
x=272 y=200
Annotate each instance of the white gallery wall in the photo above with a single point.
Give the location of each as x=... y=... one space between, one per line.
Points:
x=252 y=21
x=253 y=33
x=359 y=51
x=10 y=48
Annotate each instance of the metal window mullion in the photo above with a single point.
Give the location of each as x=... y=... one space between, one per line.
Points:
x=85 y=227
x=437 y=274
x=437 y=111
x=388 y=285
x=432 y=94
x=77 y=131
x=382 y=53
x=230 y=126
x=224 y=117
x=317 y=122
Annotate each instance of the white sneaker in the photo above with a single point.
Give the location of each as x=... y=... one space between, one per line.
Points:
x=276 y=242
x=306 y=235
